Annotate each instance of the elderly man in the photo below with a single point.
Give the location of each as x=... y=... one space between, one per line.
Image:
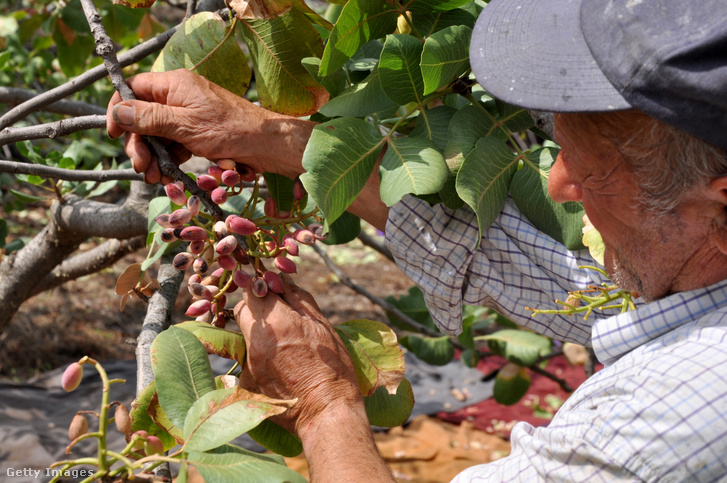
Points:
x=641 y=88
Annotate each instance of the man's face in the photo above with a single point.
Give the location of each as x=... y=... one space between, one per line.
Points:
x=645 y=253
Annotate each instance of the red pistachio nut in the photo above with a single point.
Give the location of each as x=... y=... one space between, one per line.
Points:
x=194 y=204
x=226 y=163
x=298 y=189
x=227 y=262
x=207 y=182
x=196 y=247
x=275 y=283
x=193 y=233
x=227 y=245
x=285 y=264
x=180 y=217
x=230 y=178
x=219 y=195
x=239 y=225
x=153 y=445
x=270 y=208
x=246 y=173
x=215 y=172
x=291 y=246
x=259 y=287
x=175 y=192
x=220 y=229
x=242 y=279
x=200 y=266
x=183 y=261
x=241 y=256
x=72 y=377
x=304 y=236
x=142 y=437
x=198 y=308
x=167 y=235
x=163 y=221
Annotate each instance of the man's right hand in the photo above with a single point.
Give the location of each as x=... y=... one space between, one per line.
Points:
x=200 y=118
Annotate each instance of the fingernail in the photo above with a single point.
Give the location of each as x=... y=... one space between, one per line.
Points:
x=123 y=115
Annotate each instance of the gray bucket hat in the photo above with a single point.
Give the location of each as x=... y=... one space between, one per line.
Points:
x=667 y=58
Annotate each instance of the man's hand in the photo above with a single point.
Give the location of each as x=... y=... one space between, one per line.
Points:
x=294 y=352
x=200 y=118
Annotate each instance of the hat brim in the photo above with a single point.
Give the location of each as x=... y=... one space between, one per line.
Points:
x=533 y=54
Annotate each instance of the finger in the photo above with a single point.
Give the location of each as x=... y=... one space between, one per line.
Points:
x=153 y=175
x=300 y=300
x=138 y=152
x=151 y=119
x=113 y=130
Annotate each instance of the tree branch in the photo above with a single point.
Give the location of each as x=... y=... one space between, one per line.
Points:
x=86 y=79
x=561 y=382
x=106 y=49
x=377 y=300
x=15 y=167
x=16 y=95
x=90 y=261
x=94 y=218
x=52 y=129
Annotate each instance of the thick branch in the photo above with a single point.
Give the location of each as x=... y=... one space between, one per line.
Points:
x=90 y=261
x=158 y=317
x=106 y=49
x=84 y=80
x=52 y=129
x=15 y=167
x=94 y=218
x=16 y=95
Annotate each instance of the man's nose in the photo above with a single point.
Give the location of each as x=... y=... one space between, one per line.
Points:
x=562 y=186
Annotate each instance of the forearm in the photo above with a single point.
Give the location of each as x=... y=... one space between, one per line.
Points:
x=340 y=446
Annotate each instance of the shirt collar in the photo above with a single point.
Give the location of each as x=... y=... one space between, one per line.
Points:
x=615 y=336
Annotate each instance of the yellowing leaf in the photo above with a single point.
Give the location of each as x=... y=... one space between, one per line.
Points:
x=264 y=9
x=592 y=239
x=135 y=3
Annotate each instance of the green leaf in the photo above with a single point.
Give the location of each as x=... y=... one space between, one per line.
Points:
x=411 y=165
x=73 y=48
x=436 y=351
x=345 y=229
x=360 y=99
x=281 y=190
x=529 y=189
x=142 y=420
x=135 y=3
x=3 y=232
x=445 y=57
x=467 y=126
x=438 y=5
x=277 y=47
x=376 y=354
x=412 y=304
x=224 y=414
x=157 y=206
x=218 y=341
x=518 y=346
x=4 y=57
x=433 y=124
x=511 y=384
x=182 y=371
x=514 y=118
x=390 y=410
x=203 y=45
x=484 y=179
x=237 y=464
x=339 y=158
x=335 y=82
x=429 y=22
x=276 y=439
x=359 y=22
x=25 y=198
x=399 y=68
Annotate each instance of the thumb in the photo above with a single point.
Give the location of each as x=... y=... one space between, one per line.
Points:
x=147 y=118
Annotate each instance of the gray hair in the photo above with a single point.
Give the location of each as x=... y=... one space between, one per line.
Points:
x=668 y=162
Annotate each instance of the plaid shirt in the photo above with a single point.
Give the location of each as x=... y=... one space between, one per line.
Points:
x=656 y=412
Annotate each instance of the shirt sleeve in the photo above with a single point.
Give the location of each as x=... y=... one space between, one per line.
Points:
x=511 y=267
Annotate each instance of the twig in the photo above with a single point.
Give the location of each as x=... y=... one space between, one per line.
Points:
x=191 y=8
x=372 y=242
x=15 y=167
x=561 y=382
x=16 y=95
x=52 y=129
x=86 y=79
x=377 y=300
x=106 y=49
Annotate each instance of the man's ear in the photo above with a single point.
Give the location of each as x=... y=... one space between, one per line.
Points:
x=717 y=193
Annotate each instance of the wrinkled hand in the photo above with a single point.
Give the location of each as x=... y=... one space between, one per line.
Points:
x=198 y=117
x=293 y=352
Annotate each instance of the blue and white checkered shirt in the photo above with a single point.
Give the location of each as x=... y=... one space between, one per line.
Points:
x=656 y=412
